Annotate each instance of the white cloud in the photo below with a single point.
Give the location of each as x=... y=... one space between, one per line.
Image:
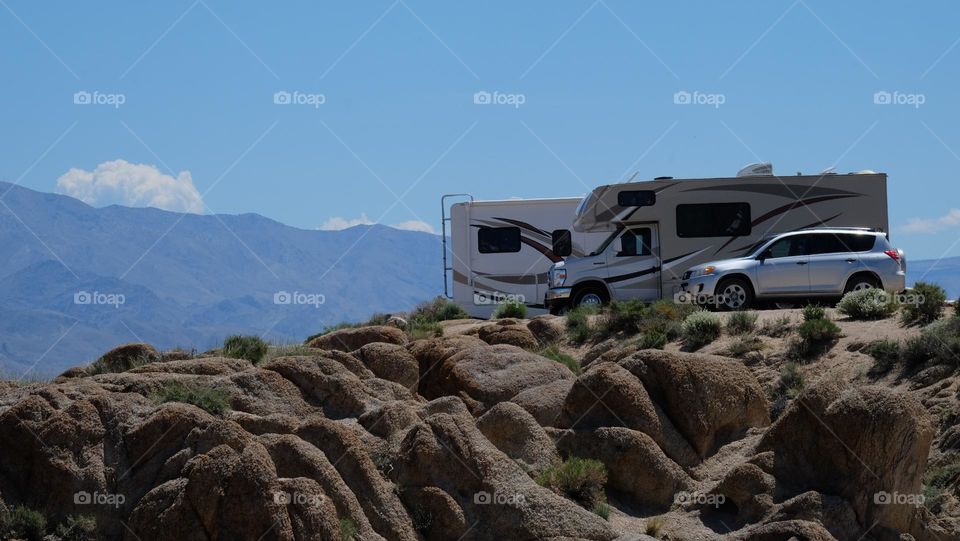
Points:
x=416 y=225
x=120 y=182
x=933 y=225
x=338 y=223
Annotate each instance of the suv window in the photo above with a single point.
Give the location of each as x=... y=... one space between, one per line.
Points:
x=496 y=240
x=794 y=245
x=838 y=243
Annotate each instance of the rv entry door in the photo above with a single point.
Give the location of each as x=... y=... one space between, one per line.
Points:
x=634 y=268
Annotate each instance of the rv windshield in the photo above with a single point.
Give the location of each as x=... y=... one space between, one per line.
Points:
x=583 y=204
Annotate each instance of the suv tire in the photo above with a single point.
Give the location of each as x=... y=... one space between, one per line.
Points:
x=737 y=294
x=860 y=282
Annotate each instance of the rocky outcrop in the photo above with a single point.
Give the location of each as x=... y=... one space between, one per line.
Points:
x=515 y=432
x=547 y=329
x=125 y=357
x=354 y=338
x=508 y=331
x=391 y=362
x=867 y=444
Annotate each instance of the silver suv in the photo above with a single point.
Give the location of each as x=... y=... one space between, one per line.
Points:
x=821 y=262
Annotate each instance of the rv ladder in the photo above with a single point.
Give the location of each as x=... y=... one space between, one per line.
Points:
x=443 y=236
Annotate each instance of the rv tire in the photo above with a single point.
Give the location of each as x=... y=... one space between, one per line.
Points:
x=590 y=295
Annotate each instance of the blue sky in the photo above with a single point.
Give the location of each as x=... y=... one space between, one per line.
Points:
x=398 y=126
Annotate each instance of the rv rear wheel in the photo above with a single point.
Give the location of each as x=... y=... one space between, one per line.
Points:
x=590 y=295
x=734 y=294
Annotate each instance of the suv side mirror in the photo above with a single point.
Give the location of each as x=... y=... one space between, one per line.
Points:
x=764 y=254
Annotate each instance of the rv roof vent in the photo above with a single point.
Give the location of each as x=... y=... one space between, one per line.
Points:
x=867 y=172
x=663 y=178
x=756 y=170
x=829 y=171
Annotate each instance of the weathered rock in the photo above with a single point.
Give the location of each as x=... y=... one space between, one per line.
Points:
x=609 y=395
x=209 y=366
x=354 y=338
x=391 y=362
x=515 y=432
x=447 y=451
x=711 y=400
x=70 y=373
x=492 y=374
x=507 y=331
x=781 y=531
x=609 y=351
x=436 y=515
x=127 y=356
x=855 y=443
x=547 y=329
x=637 y=467
x=749 y=489
x=544 y=402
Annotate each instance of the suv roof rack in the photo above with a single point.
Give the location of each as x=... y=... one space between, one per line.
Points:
x=869 y=229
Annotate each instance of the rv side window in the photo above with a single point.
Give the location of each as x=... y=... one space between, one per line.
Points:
x=637 y=198
x=713 y=220
x=635 y=242
x=562 y=243
x=498 y=240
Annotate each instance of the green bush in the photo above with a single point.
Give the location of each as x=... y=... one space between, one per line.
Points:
x=741 y=322
x=602 y=510
x=348 y=530
x=791 y=381
x=885 y=354
x=553 y=352
x=937 y=481
x=868 y=304
x=939 y=342
x=424 y=329
x=514 y=309
x=700 y=328
x=579 y=328
x=653 y=340
x=634 y=317
x=813 y=311
x=77 y=528
x=931 y=299
x=744 y=344
x=214 y=401
x=777 y=327
x=818 y=330
x=439 y=309
x=21 y=522
x=580 y=479
x=251 y=348
x=622 y=317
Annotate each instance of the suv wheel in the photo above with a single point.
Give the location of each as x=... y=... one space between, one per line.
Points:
x=736 y=294
x=861 y=282
x=590 y=295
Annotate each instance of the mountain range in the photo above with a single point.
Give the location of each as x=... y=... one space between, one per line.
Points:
x=77 y=280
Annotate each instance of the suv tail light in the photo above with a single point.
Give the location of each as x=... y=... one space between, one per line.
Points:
x=894 y=254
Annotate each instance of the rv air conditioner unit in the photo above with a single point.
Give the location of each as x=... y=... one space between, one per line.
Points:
x=756 y=170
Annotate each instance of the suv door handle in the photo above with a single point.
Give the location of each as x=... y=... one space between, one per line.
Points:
x=801 y=262
x=599 y=263
x=851 y=260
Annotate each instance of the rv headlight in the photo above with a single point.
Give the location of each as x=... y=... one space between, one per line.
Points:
x=559 y=276
x=706 y=271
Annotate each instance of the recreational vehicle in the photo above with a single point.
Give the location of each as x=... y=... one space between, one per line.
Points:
x=501 y=250
x=655 y=230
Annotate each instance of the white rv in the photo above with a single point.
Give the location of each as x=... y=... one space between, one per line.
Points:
x=657 y=229
x=501 y=250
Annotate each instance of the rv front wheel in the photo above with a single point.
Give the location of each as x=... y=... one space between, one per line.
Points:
x=735 y=294
x=590 y=296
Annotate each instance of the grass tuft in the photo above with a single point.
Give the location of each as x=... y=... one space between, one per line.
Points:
x=251 y=348
x=213 y=401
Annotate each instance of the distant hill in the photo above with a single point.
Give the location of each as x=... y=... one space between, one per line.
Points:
x=945 y=272
x=186 y=279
